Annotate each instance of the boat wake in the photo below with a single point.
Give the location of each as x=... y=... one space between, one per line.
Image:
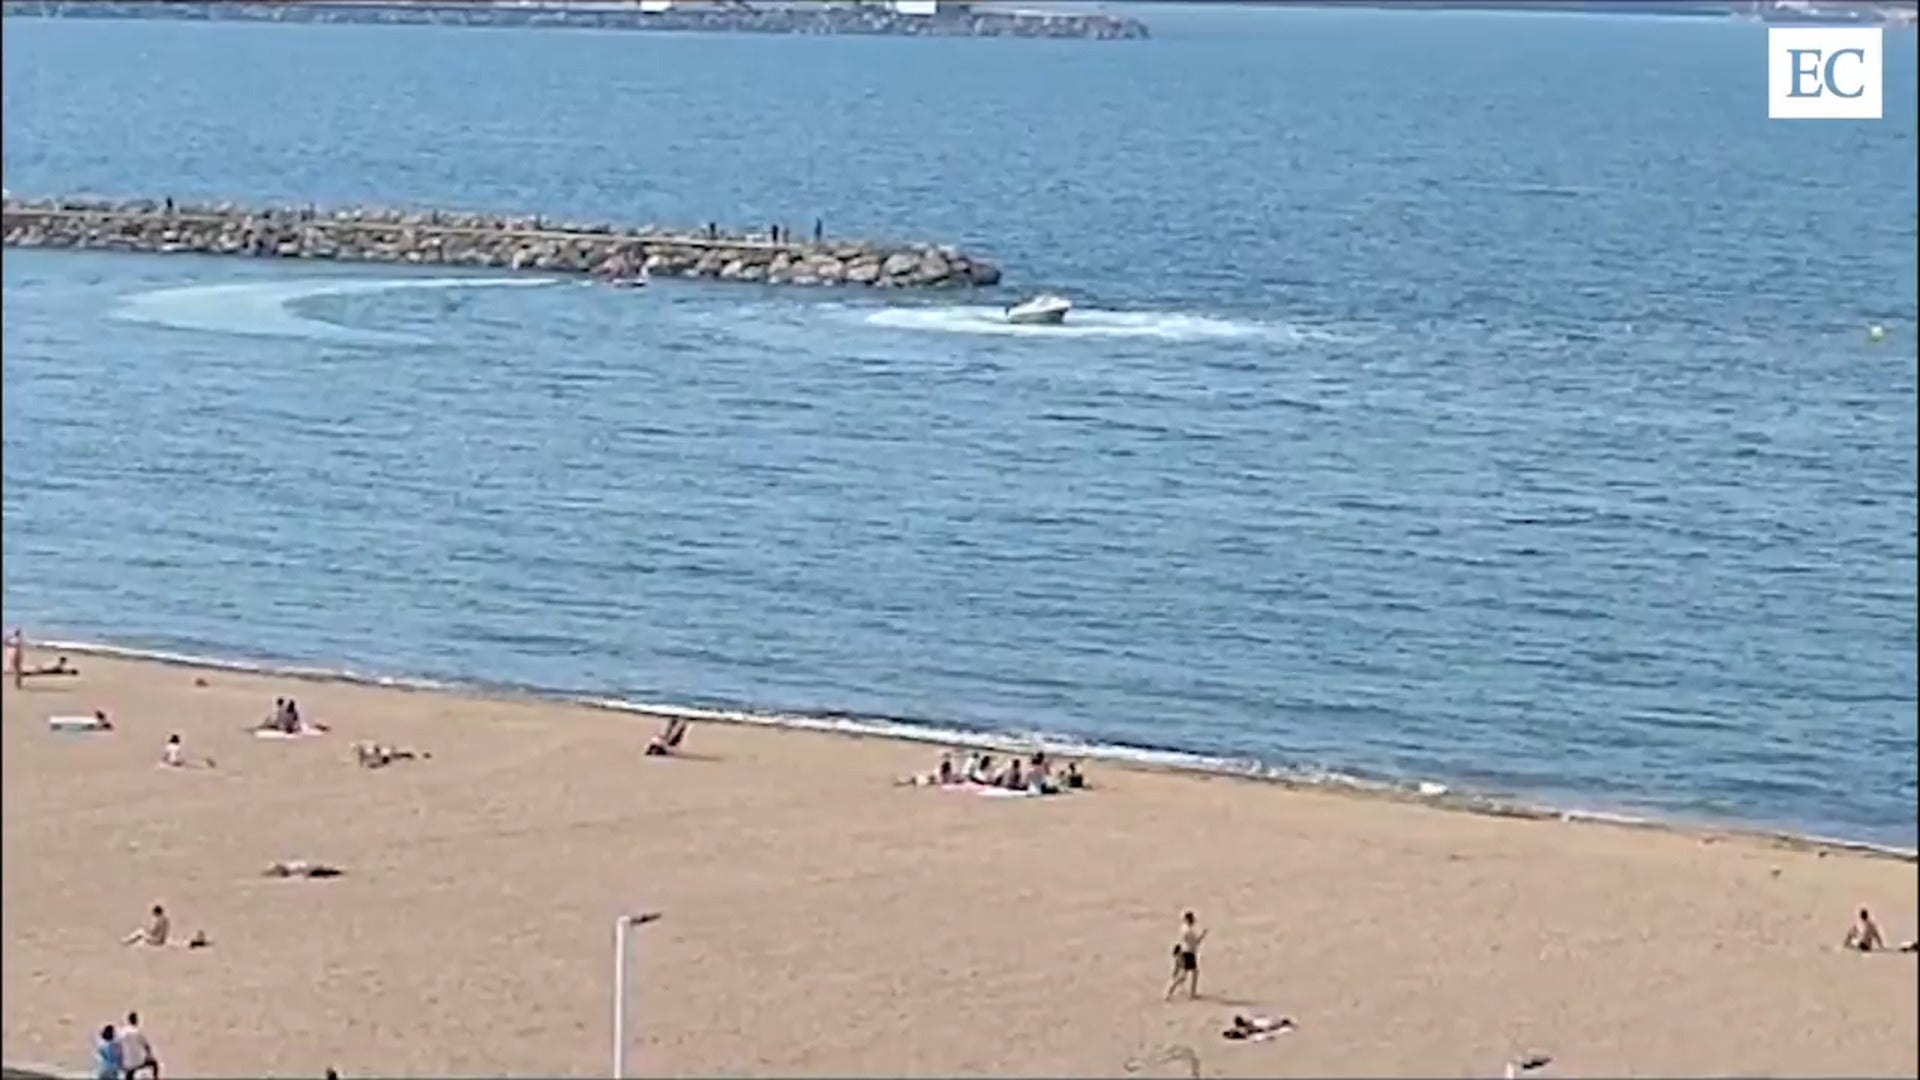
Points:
x=265 y=308
x=1086 y=323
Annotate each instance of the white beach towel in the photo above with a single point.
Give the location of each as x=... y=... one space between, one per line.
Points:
x=75 y=723
x=276 y=733
x=994 y=792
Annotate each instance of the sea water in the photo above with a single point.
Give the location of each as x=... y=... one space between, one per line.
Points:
x=1474 y=399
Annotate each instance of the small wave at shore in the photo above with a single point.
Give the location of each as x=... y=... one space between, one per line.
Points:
x=1426 y=791
x=264 y=308
x=1089 y=323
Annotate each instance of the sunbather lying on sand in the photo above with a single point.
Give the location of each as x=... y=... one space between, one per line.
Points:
x=97 y=722
x=372 y=755
x=58 y=667
x=293 y=868
x=1864 y=936
x=1529 y=1063
x=669 y=739
x=1257 y=1027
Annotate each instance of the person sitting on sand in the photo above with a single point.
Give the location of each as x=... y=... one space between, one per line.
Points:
x=1039 y=783
x=299 y=725
x=1073 y=781
x=286 y=720
x=1255 y=1027
x=665 y=743
x=158 y=931
x=945 y=773
x=1865 y=936
x=174 y=756
x=281 y=720
x=155 y=931
x=1011 y=778
x=301 y=868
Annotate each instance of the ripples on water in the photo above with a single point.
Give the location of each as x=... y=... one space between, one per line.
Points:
x=1422 y=418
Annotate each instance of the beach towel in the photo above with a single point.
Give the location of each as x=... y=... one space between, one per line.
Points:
x=992 y=792
x=76 y=723
x=276 y=733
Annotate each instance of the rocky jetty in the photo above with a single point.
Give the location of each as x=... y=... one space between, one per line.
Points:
x=720 y=16
x=435 y=238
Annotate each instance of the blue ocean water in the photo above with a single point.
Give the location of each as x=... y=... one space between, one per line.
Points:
x=1475 y=398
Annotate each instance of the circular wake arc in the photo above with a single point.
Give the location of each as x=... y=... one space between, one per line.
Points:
x=265 y=308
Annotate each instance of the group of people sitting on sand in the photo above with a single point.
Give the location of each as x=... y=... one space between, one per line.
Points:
x=1037 y=776
x=286 y=720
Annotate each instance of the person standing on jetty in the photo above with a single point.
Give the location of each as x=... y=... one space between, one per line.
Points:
x=1186 y=957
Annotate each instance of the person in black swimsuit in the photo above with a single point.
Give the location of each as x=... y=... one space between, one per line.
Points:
x=1186 y=958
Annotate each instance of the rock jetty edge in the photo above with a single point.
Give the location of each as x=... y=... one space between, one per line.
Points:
x=734 y=16
x=440 y=238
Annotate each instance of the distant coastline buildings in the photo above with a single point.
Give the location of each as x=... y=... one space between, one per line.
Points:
x=910 y=18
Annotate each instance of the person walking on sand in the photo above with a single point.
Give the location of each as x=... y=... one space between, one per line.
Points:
x=106 y=1056
x=1186 y=957
x=17 y=657
x=136 y=1053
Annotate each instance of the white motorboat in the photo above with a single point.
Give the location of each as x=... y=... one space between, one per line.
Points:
x=1043 y=310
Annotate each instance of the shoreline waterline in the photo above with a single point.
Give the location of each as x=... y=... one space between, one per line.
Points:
x=1430 y=793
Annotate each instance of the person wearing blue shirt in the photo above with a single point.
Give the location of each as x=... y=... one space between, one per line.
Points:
x=107 y=1061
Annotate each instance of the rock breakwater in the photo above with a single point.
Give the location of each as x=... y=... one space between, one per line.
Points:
x=436 y=238
x=725 y=16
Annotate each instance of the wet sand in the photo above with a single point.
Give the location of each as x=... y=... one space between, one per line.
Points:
x=820 y=920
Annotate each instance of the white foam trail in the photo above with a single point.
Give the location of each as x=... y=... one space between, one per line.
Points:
x=1085 y=323
x=263 y=308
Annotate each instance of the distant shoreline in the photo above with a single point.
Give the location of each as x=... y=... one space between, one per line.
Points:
x=820 y=19
x=1151 y=760
x=1829 y=12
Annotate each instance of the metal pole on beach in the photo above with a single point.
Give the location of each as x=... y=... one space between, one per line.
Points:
x=620 y=926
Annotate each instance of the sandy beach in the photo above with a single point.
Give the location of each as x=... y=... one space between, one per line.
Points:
x=821 y=920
